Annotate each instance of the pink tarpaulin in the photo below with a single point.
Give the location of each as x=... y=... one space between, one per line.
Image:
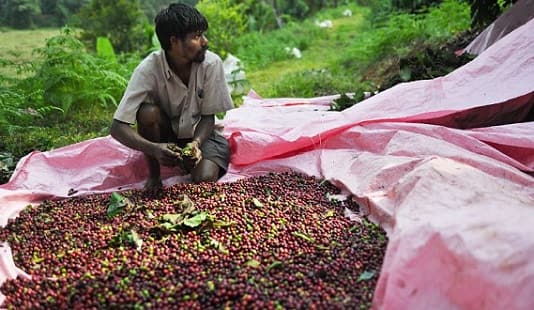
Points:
x=444 y=165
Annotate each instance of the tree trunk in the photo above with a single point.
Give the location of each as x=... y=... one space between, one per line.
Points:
x=279 y=21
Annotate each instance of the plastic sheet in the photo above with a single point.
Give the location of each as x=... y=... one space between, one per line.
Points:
x=457 y=201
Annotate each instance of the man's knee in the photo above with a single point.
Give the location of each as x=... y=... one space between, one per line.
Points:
x=205 y=171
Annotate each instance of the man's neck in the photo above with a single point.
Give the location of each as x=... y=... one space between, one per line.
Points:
x=179 y=66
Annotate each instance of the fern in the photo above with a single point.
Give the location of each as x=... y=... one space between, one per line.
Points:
x=71 y=76
x=62 y=77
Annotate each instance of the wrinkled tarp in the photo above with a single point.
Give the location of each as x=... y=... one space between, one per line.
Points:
x=443 y=165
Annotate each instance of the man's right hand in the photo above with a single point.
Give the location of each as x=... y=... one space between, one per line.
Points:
x=165 y=156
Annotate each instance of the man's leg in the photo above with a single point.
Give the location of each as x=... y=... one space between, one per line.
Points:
x=149 y=120
x=205 y=171
x=215 y=159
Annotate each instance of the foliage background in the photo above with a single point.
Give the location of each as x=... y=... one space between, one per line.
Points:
x=65 y=89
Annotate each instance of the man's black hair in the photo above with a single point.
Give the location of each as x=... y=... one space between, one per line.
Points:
x=178 y=20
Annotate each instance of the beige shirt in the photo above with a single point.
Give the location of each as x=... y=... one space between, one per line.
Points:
x=153 y=81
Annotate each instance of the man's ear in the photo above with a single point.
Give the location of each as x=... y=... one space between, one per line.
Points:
x=175 y=40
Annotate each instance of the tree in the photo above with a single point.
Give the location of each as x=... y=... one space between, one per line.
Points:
x=56 y=13
x=20 y=13
x=298 y=9
x=484 y=12
x=152 y=7
x=226 y=22
x=122 y=21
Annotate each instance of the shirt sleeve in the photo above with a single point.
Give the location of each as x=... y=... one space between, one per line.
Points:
x=138 y=91
x=216 y=96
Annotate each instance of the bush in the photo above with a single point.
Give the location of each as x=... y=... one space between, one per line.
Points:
x=14 y=110
x=401 y=32
x=122 y=21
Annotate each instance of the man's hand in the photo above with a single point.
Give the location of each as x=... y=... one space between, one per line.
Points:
x=166 y=156
x=192 y=155
x=196 y=153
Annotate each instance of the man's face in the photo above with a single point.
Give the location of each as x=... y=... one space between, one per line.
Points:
x=194 y=46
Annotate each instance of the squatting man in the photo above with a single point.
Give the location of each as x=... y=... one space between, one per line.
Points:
x=173 y=96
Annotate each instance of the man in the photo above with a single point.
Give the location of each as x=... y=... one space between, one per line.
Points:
x=173 y=95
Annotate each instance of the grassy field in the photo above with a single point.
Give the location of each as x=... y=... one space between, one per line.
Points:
x=18 y=45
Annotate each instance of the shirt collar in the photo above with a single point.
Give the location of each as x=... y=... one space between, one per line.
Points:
x=166 y=68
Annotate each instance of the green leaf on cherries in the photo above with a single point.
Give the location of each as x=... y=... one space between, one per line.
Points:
x=275 y=264
x=134 y=238
x=117 y=203
x=130 y=237
x=196 y=220
x=257 y=203
x=253 y=263
x=304 y=236
x=366 y=275
x=172 y=218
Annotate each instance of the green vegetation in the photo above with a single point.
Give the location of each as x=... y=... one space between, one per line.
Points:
x=59 y=91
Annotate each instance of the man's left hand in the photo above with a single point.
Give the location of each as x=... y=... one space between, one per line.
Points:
x=196 y=153
x=192 y=156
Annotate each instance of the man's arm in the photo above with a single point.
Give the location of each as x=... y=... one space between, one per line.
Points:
x=126 y=135
x=204 y=128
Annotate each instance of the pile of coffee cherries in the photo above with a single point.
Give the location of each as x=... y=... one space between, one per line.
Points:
x=270 y=242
